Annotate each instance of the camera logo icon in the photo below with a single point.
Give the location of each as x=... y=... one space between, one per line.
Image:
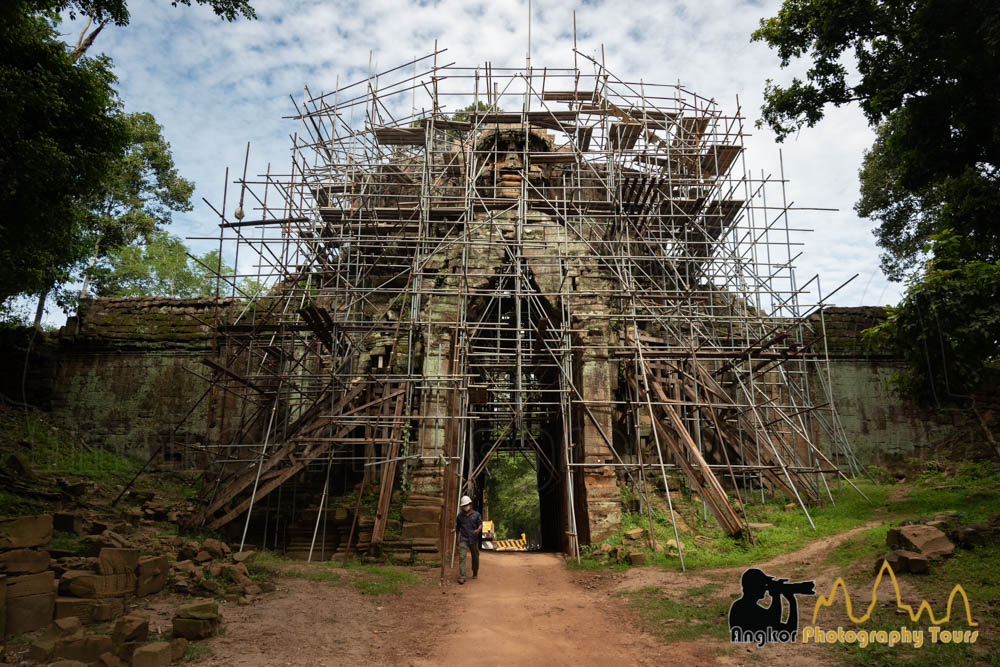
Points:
x=752 y=623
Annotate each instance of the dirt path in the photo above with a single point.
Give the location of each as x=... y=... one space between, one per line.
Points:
x=525 y=609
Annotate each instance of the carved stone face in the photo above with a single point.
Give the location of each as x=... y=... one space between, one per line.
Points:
x=503 y=153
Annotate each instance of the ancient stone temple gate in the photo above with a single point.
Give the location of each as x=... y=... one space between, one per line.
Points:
x=461 y=261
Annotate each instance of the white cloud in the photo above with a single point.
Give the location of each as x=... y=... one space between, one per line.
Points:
x=214 y=86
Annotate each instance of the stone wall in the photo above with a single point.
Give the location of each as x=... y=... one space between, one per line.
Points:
x=115 y=374
x=882 y=427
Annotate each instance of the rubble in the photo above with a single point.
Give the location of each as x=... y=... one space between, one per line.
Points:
x=923 y=539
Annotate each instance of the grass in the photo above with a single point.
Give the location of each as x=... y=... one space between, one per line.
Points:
x=196 y=652
x=971 y=490
x=12 y=504
x=377 y=580
x=69 y=542
x=366 y=578
x=694 y=614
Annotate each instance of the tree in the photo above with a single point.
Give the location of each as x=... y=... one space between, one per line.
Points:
x=928 y=80
x=63 y=141
x=100 y=13
x=161 y=265
x=60 y=129
x=140 y=191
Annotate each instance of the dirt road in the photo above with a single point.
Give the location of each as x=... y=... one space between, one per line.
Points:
x=525 y=609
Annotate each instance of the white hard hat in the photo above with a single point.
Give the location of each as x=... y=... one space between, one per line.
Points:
x=466 y=500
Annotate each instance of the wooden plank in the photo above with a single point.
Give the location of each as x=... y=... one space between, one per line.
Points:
x=233 y=376
x=400 y=136
x=388 y=476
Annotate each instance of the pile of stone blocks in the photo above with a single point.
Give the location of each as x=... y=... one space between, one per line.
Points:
x=64 y=642
x=35 y=588
x=27 y=585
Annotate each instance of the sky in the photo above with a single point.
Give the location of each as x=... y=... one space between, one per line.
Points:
x=214 y=86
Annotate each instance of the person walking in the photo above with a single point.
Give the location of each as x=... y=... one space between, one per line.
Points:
x=469 y=525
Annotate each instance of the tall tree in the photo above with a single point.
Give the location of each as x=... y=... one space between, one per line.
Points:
x=927 y=76
x=141 y=190
x=62 y=133
x=60 y=129
x=158 y=265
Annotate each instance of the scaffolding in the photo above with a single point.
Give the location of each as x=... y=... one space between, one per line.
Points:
x=465 y=260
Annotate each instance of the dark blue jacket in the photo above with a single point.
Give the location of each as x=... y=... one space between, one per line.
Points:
x=466 y=525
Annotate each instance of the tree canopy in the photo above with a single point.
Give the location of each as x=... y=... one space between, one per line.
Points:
x=80 y=176
x=60 y=130
x=926 y=74
x=157 y=266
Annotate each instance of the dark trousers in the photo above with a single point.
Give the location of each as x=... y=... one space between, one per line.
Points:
x=463 y=548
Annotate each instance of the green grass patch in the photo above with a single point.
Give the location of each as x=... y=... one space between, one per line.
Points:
x=196 y=652
x=378 y=580
x=321 y=574
x=971 y=489
x=12 y=504
x=69 y=542
x=693 y=614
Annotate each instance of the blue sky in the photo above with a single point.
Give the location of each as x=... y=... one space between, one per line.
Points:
x=214 y=86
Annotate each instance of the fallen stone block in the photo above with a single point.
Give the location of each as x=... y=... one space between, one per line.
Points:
x=915 y=563
x=202 y=556
x=151 y=575
x=29 y=612
x=216 y=548
x=634 y=534
x=25 y=531
x=971 y=536
x=244 y=556
x=157 y=654
x=637 y=558
x=178 y=647
x=925 y=540
x=89 y=610
x=63 y=628
x=31 y=584
x=199 y=609
x=67 y=663
x=193 y=628
x=67 y=522
x=109 y=660
x=85 y=649
x=24 y=561
x=131 y=628
x=83 y=584
x=117 y=561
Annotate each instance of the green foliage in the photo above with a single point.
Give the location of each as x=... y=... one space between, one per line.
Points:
x=465 y=113
x=116 y=11
x=928 y=75
x=161 y=266
x=935 y=63
x=60 y=132
x=946 y=326
x=512 y=496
